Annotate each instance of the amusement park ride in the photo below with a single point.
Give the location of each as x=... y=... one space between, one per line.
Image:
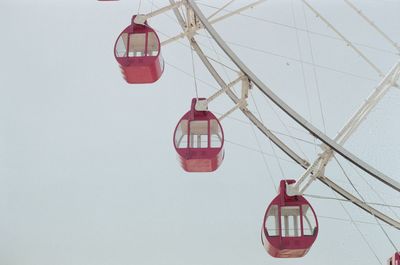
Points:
x=290 y=225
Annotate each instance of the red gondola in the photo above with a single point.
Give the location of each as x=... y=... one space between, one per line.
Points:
x=395 y=259
x=290 y=225
x=138 y=53
x=199 y=140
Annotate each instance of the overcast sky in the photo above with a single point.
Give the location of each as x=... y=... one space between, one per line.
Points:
x=88 y=172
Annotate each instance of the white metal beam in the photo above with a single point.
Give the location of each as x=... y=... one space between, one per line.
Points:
x=202 y=105
x=220 y=9
x=372 y=24
x=318 y=166
x=140 y=19
x=348 y=42
x=295 y=157
x=383 y=87
x=287 y=109
x=191 y=31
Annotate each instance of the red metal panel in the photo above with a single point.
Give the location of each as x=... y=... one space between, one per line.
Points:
x=280 y=246
x=140 y=69
x=199 y=159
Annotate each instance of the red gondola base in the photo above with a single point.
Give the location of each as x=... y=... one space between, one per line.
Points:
x=290 y=225
x=138 y=52
x=198 y=140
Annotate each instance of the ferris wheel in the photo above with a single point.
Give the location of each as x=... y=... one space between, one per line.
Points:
x=290 y=225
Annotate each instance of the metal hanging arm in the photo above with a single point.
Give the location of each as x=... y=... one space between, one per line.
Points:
x=288 y=110
x=193 y=23
x=246 y=86
x=202 y=105
x=140 y=19
x=192 y=31
x=314 y=171
x=240 y=104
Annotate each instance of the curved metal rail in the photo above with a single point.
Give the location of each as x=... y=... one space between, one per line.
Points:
x=286 y=108
x=293 y=155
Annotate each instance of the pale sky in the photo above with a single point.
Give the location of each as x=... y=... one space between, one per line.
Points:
x=88 y=172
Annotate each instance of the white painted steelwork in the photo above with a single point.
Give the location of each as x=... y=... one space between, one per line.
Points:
x=287 y=109
x=305 y=164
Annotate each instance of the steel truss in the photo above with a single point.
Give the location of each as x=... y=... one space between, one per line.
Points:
x=196 y=21
x=330 y=145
